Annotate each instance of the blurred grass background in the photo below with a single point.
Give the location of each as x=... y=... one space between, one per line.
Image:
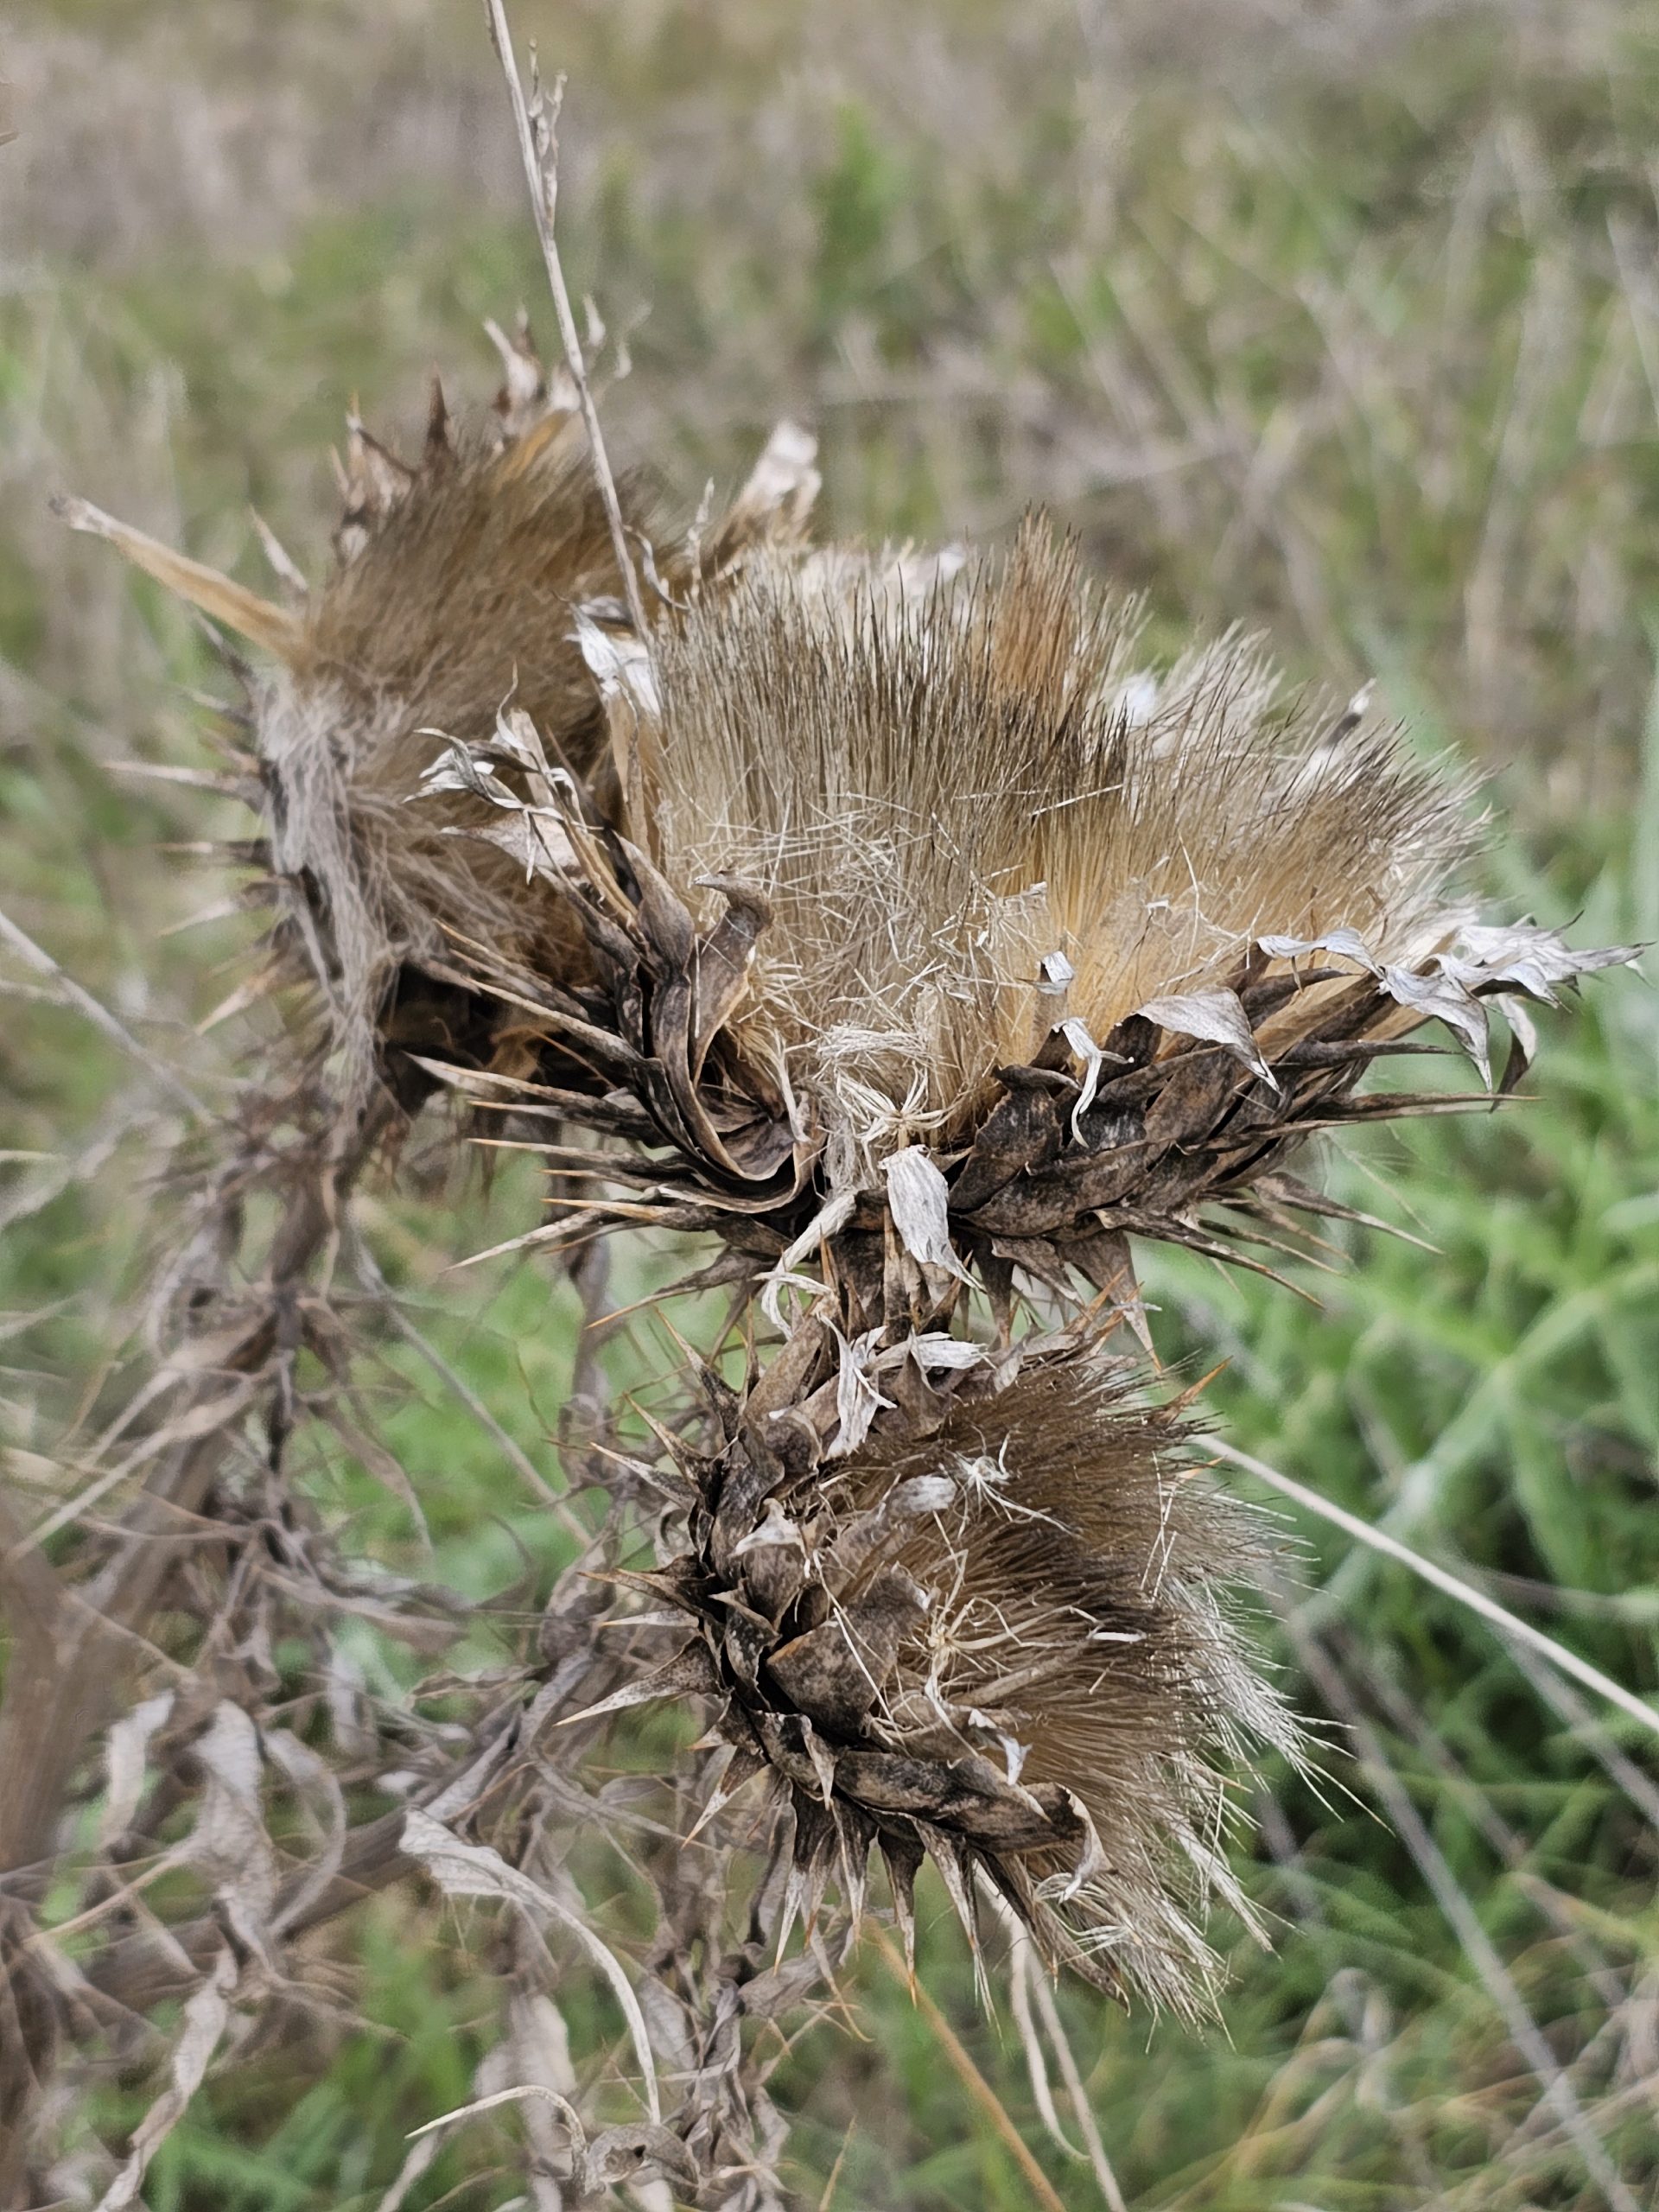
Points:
x=1340 y=320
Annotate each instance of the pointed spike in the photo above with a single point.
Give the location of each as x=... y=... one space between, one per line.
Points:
x=854 y=1852
x=251 y=617
x=440 y=447
x=738 y=1772
x=282 y=565
x=955 y=1872
x=222 y=710
x=247 y=994
x=794 y=1898
x=380 y=479
x=903 y=1857
x=691 y=1673
x=788 y=1912
x=824 y=1763
x=722 y=1399
x=1194 y=1391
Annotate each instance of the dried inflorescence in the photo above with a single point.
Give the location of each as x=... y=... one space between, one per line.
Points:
x=885 y=920
x=937 y=951
x=939 y=793
x=942 y=940
x=1007 y=1644
x=452 y=600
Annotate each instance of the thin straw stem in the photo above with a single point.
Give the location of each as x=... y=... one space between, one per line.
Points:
x=1441 y=1578
x=539 y=145
x=1043 y=2191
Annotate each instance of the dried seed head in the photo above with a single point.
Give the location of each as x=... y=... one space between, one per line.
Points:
x=937 y=913
x=454 y=602
x=941 y=791
x=1007 y=1644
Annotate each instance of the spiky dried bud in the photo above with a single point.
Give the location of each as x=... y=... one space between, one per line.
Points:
x=448 y=621
x=1006 y=1644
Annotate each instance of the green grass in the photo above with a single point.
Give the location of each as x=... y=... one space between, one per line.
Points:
x=1364 y=353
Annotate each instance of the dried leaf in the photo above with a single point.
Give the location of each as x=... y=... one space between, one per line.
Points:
x=207 y=2013
x=230 y=1841
x=1348 y=943
x=934 y=1350
x=124 y=1764
x=783 y=481
x=1214 y=1017
x=1094 y=1058
x=1534 y=960
x=1523 y=1040
x=918 y=1198
x=319 y=1789
x=532 y=837
x=832 y=1215
x=1442 y=997
x=464 y=768
x=471 y=1870
x=620 y=663
x=857 y=1399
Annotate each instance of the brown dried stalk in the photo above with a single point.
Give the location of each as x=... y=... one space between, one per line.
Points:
x=537 y=124
x=75 y=1643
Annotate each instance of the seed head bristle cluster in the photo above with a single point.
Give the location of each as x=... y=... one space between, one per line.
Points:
x=1008 y=1644
x=449 y=605
x=938 y=790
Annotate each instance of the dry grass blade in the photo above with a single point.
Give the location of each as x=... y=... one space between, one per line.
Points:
x=462 y=1869
x=523 y=2091
x=206 y=2016
x=1028 y=1983
x=962 y=2064
x=75 y=995
x=1477 y=1946
x=1510 y=1625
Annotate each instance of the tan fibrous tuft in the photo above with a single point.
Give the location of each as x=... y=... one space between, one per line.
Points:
x=452 y=617
x=451 y=600
x=937 y=791
x=1007 y=1644
x=453 y=625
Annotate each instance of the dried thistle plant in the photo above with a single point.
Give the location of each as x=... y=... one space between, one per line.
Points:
x=942 y=950
x=1000 y=1638
x=886 y=924
x=943 y=941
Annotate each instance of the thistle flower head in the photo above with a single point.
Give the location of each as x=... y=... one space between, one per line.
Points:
x=935 y=906
x=1007 y=1644
x=974 y=815
x=415 y=701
